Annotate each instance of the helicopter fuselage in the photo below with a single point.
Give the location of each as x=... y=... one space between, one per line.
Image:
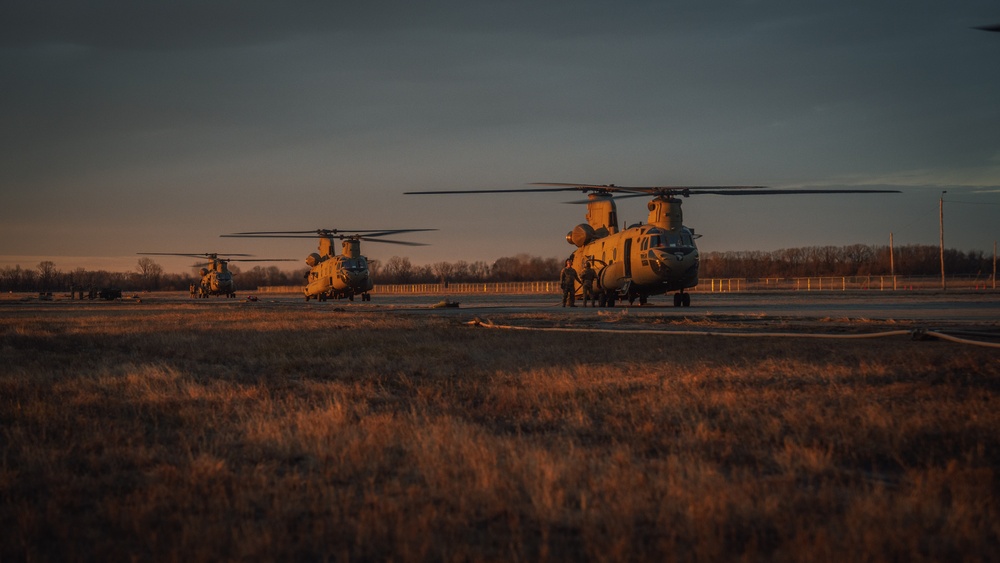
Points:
x=340 y=276
x=217 y=280
x=642 y=260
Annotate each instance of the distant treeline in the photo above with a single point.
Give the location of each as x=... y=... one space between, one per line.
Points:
x=148 y=275
x=522 y=267
x=853 y=260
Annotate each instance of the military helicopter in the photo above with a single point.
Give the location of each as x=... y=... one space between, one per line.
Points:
x=216 y=279
x=642 y=260
x=334 y=276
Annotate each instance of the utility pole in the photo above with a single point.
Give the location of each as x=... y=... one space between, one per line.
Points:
x=941 y=221
x=892 y=263
x=994 y=264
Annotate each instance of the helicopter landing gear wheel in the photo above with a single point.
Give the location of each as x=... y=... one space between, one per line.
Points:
x=366 y=297
x=677 y=299
x=643 y=299
x=686 y=299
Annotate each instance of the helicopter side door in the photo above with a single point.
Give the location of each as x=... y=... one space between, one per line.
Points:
x=627 y=258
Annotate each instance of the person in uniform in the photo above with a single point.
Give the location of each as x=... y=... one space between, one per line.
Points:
x=567 y=279
x=587 y=280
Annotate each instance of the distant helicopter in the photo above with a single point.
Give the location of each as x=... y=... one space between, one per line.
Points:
x=641 y=260
x=216 y=279
x=334 y=276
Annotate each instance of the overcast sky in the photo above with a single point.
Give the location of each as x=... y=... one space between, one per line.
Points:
x=131 y=126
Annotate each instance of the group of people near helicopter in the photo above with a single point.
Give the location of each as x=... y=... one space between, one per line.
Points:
x=568 y=279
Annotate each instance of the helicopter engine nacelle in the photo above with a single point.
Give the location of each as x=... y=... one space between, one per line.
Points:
x=581 y=235
x=312 y=259
x=203 y=272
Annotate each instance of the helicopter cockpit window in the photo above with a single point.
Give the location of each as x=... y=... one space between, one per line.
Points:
x=354 y=264
x=671 y=240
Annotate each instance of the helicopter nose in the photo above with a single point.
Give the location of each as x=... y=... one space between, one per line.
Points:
x=679 y=254
x=669 y=262
x=354 y=277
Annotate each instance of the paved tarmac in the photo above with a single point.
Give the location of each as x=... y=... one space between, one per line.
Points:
x=982 y=307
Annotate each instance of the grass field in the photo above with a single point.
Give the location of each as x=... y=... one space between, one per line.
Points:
x=183 y=432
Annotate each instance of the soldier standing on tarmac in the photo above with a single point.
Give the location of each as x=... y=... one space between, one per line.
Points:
x=566 y=280
x=587 y=280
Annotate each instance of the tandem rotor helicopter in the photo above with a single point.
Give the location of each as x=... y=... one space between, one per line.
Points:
x=642 y=260
x=216 y=279
x=333 y=276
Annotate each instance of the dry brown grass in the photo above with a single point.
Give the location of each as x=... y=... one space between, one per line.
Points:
x=237 y=432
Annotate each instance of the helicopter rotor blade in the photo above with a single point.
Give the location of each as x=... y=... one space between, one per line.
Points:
x=522 y=190
x=616 y=198
x=600 y=188
x=266 y=260
x=394 y=232
x=646 y=189
x=215 y=255
x=402 y=242
x=656 y=191
x=637 y=191
x=245 y=235
x=781 y=191
x=336 y=233
x=313 y=232
x=746 y=190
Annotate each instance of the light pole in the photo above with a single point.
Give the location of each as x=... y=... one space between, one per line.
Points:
x=892 y=263
x=941 y=221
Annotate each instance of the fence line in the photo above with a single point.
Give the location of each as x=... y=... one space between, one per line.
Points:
x=706 y=285
x=843 y=283
x=437 y=288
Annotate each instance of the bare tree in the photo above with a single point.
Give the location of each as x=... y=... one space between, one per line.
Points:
x=46 y=274
x=398 y=269
x=443 y=271
x=12 y=277
x=149 y=273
